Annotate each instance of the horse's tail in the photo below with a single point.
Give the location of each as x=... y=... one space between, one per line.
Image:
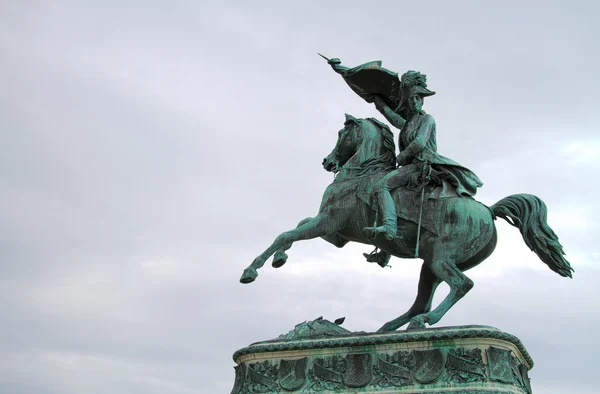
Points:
x=528 y=213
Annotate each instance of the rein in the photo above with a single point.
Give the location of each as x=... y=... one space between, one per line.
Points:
x=358 y=176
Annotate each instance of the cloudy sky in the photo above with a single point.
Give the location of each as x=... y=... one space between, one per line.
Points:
x=150 y=150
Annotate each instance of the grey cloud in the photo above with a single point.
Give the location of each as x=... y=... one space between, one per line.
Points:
x=151 y=151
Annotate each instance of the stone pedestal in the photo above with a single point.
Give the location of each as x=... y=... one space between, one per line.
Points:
x=322 y=357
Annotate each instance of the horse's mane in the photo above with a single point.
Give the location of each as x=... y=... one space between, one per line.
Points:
x=385 y=161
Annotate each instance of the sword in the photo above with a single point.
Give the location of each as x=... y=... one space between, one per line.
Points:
x=326 y=58
x=425 y=165
x=333 y=62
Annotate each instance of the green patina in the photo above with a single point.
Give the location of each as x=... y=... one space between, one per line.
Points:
x=468 y=359
x=331 y=338
x=414 y=204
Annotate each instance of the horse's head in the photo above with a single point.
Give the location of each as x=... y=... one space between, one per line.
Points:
x=345 y=146
x=362 y=145
x=331 y=163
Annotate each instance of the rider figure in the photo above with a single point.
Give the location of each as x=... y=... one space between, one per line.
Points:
x=418 y=153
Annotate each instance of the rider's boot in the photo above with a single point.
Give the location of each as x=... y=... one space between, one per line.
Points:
x=390 y=221
x=382 y=258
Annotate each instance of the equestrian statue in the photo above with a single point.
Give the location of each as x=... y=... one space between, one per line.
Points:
x=417 y=204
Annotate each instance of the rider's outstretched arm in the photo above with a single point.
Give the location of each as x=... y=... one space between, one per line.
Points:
x=392 y=117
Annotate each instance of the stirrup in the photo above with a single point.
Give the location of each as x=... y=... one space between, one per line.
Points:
x=378 y=256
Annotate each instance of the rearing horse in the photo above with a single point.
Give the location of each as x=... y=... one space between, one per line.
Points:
x=463 y=237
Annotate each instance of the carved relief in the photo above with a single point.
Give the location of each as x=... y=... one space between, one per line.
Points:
x=240 y=374
x=393 y=370
x=461 y=369
x=327 y=374
x=499 y=361
x=429 y=365
x=520 y=374
x=335 y=372
x=359 y=370
x=261 y=378
x=464 y=366
x=292 y=373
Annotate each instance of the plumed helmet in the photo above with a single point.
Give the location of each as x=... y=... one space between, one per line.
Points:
x=413 y=82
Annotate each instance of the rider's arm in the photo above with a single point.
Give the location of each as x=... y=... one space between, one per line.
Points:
x=418 y=144
x=392 y=117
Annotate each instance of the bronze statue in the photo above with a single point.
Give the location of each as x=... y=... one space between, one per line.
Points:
x=426 y=206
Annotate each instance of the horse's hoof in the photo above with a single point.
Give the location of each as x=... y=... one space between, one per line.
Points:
x=248 y=276
x=415 y=325
x=279 y=260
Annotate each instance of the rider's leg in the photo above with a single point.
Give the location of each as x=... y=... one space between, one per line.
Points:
x=387 y=210
x=387 y=207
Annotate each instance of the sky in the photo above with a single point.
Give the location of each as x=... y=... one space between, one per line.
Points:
x=150 y=150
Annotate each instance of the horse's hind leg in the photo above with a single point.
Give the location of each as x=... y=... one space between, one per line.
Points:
x=428 y=282
x=316 y=227
x=459 y=284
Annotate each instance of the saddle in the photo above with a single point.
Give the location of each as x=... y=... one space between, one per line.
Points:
x=408 y=201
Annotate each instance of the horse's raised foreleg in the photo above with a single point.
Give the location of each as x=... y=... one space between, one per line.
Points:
x=428 y=282
x=280 y=257
x=459 y=284
x=318 y=226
